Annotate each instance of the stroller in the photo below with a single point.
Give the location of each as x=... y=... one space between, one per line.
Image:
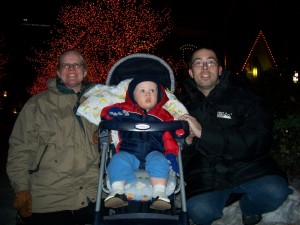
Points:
x=138 y=211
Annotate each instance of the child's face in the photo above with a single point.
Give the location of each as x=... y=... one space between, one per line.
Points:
x=145 y=94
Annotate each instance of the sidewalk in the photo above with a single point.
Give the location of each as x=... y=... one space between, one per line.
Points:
x=7 y=213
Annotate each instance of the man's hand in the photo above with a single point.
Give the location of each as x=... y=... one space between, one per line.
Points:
x=95 y=137
x=194 y=125
x=23 y=203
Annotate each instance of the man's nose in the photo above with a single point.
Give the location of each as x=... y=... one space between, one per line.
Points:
x=205 y=65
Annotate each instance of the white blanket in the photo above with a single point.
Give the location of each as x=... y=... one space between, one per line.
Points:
x=102 y=95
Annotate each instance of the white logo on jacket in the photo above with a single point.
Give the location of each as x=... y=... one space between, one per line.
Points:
x=224 y=115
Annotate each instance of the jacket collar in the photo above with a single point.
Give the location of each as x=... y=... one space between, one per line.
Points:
x=221 y=87
x=63 y=89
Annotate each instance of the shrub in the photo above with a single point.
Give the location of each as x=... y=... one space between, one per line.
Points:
x=286 y=144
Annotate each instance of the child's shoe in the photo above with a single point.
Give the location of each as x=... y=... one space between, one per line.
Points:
x=116 y=199
x=160 y=202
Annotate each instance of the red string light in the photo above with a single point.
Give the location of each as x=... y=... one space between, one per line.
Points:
x=103 y=31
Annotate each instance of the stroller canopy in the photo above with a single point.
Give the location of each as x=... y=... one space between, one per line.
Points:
x=140 y=64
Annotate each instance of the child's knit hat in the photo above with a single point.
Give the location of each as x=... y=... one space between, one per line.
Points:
x=147 y=77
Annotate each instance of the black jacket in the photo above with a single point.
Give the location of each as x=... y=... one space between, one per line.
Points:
x=235 y=142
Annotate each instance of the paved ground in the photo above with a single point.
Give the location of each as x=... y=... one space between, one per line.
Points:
x=7 y=213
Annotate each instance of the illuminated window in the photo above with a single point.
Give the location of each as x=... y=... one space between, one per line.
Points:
x=254 y=71
x=295 y=77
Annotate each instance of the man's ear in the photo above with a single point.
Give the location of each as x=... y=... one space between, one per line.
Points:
x=220 y=70
x=58 y=74
x=191 y=73
x=85 y=73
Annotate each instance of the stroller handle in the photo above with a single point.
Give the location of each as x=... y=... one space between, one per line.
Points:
x=146 y=126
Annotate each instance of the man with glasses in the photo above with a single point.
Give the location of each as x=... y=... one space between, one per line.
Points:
x=52 y=160
x=227 y=152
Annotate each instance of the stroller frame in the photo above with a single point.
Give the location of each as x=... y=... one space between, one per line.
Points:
x=176 y=216
x=129 y=67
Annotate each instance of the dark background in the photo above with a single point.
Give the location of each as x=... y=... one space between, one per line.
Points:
x=234 y=24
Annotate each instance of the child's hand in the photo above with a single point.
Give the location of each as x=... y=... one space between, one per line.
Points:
x=173 y=161
x=117 y=113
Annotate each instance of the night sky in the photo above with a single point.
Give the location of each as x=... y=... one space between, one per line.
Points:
x=235 y=24
x=239 y=20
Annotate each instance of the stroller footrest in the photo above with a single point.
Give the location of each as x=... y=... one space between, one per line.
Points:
x=154 y=217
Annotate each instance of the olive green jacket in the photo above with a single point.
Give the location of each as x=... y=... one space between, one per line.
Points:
x=51 y=152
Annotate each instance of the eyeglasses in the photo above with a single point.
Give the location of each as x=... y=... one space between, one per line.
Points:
x=70 y=65
x=209 y=64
